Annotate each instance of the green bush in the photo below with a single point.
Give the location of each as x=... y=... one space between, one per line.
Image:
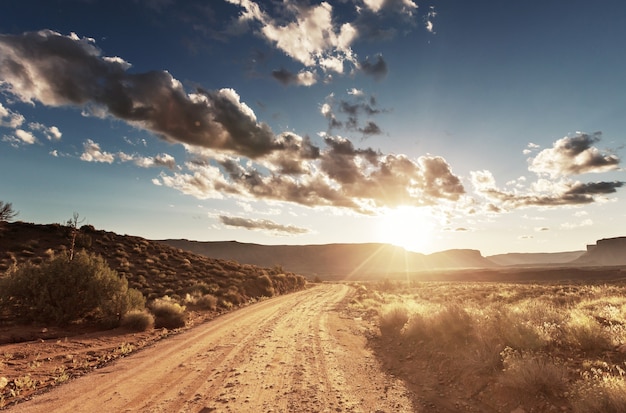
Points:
x=61 y=291
x=168 y=313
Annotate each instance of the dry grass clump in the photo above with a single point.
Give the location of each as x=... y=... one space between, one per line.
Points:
x=584 y=332
x=393 y=317
x=138 y=320
x=536 y=374
x=600 y=393
x=168 y=313
x=201 y=301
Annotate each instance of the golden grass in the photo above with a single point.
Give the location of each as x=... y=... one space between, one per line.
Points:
x=538 y=339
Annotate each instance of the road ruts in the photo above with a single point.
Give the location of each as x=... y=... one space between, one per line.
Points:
x=294 y=353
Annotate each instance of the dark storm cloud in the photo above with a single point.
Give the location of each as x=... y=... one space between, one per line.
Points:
x=568 y=193
x=262 y=224
x=371 y=128
x=354 y=109
x=61 y=70
x=594 y=188
x=284 y=76
x=377 y=69
x=304 y=78
x=573 y=155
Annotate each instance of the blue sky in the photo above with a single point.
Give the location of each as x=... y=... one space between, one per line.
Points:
x=497 y=126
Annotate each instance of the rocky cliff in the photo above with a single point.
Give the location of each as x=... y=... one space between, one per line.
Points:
x=607 y=251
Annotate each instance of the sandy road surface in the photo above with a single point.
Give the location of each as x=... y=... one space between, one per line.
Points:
x=296 y=353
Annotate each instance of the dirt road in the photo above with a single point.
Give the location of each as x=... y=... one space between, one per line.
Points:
x=295 y=353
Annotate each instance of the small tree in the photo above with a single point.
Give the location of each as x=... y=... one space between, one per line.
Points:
x=7 y=213
x=74 y=230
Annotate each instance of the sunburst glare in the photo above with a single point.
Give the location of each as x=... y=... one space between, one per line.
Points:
x=408 y=227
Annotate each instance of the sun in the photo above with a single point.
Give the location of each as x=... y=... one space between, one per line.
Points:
x=408 y=227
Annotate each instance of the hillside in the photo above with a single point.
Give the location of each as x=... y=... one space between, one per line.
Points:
x=333 y=261
x=153 y=268
x=535 y=259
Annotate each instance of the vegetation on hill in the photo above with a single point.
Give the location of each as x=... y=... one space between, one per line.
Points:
x=63 y=290
x=154 y=269
x=527 y=346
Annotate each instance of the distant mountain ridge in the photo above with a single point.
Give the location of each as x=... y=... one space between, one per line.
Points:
x=335 y=260
x=535 y=258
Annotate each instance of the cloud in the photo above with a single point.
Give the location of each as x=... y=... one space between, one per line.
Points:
x=312 y=39
x=407 y=7
x=10 y=119
x=574 y=155
x=530 y=148
x=545 y=193
x=304 y=78
x=163 y=159
x=235 y=155
x=339 y=175
x=262 y=225
x=370 y=128
x=568 y=156
x=52 y=133
x=25 y=137
x=428 y=20
x=579 y=224
x=59 y=70
x=93 y=153
x=377 y=69
x=354 y=109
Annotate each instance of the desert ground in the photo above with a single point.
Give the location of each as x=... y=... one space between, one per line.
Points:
x=303 y=352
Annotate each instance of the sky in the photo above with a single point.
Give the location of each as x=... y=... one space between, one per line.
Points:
x=496 y=126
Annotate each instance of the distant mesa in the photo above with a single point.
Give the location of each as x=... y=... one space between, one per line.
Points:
x=336 y=260
x=606 y=252
x=374 y=260
x=535 y=259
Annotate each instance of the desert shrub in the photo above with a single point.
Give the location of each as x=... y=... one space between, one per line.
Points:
x=450 y=325
x=202 y=301
x=600 y=394
x=201 y=287
x=393 y=317
x=533 y=374
x=233 y=296
x=168 y=313
x=83 y=241
x=260 y=286
x=137 y=320
x=584 y=332
x=513 y=329
x=62 y=290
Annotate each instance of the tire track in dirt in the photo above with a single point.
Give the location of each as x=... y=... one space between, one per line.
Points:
x=294 y=353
